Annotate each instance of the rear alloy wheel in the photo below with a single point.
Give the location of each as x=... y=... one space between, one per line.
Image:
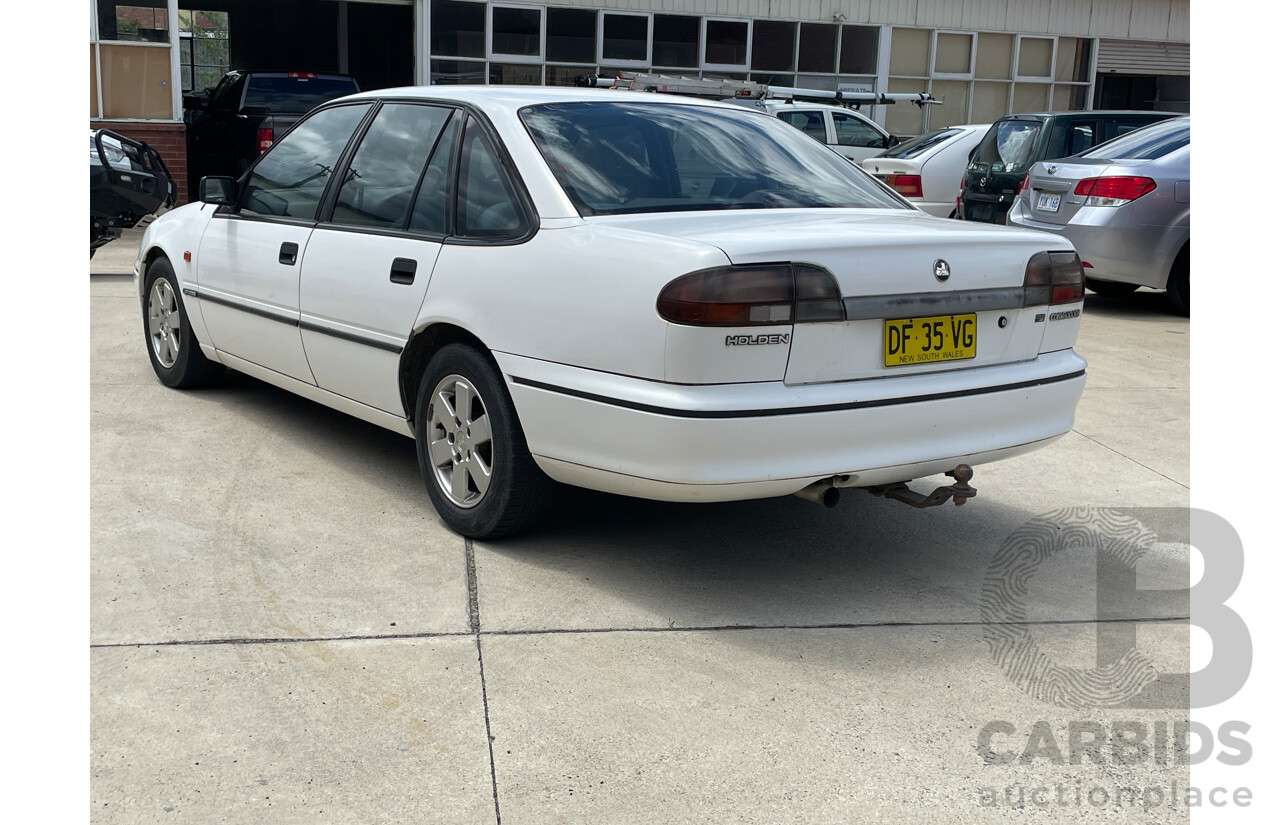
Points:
x=1110 y=289
x=173 y=349
x=471 y=450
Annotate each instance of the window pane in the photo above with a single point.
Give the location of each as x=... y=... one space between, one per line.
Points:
x=379 y=185
x=1035 y=56
x=951 y=55
x=675 y=40
x=773 y=79
x=1069 y=98
x=517 y=31
x=1073 y=59
x=808 y=122
x=134 y=82
x=291 y=177
x=909 y=54
x=818 y=47
x=817 y=82
x=995 y=56
x=514 y=74
x=852 y=130
x=859 y=46
x=566 y=75
x=453 y=72
x=142 y=20
x=727 y=42
x=431 y=209
x=954 y=108
x=457 y=28
x=571 y=35
x=990 y=102
x=773 y=46
x=626 y=37
x=1030 y=97
x=486 y=206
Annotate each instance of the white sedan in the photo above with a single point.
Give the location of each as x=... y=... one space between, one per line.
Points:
x=677 y=300
x=927 y=170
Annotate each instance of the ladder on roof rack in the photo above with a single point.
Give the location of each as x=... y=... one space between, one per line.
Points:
x=746 y=90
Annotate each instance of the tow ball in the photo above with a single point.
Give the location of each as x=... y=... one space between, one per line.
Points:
x=960 y=492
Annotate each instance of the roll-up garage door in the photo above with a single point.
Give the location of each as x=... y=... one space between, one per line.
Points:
x=1144 y=58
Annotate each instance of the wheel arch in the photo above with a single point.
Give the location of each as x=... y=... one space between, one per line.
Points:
x=424 y=343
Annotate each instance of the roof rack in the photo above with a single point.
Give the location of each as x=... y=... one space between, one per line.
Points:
x=746 y=90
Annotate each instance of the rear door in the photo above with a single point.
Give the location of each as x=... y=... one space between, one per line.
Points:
x=369 y=263
x=250 y=257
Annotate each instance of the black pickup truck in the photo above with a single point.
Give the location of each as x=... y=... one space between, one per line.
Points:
x=230 y=125
x=127 y=182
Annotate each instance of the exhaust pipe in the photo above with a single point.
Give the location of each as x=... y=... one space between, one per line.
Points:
x=821 y=492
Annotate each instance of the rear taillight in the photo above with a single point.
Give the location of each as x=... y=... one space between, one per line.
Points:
x=266 y=137
x=1022 y=184
x=1053 y=278
x=756 y=295
x=1113 y=191
x=908 y=186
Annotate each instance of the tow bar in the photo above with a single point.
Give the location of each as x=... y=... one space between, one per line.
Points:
x=959 y=492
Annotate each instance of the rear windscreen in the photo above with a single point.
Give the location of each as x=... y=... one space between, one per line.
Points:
x=919 y=145
x=295 y=94
x=1009 y=143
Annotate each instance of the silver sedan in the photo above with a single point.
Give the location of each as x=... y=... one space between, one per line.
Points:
x=1125 y=205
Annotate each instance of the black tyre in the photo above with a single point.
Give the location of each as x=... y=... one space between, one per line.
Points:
x=1110 y=289
x=471 y=450
x=1179 y=286
x=175 y=354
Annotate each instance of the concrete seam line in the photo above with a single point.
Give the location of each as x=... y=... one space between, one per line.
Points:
x=473 y=615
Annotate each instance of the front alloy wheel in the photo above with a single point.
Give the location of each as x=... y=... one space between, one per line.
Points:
x=460 y=443
x=164 y=323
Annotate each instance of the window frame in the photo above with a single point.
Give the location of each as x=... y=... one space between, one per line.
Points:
x=503 y=57
x=933 y=56
x=601 y=60
x=1017 y=60
x=745 y=66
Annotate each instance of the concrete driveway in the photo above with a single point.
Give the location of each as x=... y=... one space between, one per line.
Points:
x=283 y=632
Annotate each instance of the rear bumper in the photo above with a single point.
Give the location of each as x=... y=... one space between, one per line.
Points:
x=1113 y=248
x=730 y=442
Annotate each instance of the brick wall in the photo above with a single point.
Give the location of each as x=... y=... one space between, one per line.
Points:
x=169 y=139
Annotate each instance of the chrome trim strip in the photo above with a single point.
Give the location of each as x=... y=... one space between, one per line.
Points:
x=310 y=326
x=911 y=304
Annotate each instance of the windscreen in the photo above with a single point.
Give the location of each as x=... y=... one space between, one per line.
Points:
x=1154 y=141
x=280 y=93
x=1009 y=142
x=920 y=145
x=617 y=158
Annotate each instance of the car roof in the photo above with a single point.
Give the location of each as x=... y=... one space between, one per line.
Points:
x=517 y=97
x=1083 y=113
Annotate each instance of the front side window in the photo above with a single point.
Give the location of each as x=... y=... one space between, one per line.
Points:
x=620 y=158
x=379 y=184
x=854 y=131
x=289 y=180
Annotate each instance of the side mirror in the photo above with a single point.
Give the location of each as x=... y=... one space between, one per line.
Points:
x=893 y=141
x=195 y=100
x=218 y=190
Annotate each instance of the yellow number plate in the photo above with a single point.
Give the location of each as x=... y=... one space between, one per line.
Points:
x=926 y=340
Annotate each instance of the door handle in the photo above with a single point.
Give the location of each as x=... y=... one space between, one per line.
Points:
x=403 y=270
x=288 y=253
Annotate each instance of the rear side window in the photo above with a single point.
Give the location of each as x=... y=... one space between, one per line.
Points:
x=290 y=179
x=808 y=122
x=1071 y=137
x=379 y=184
x=431 y=208
x=281 y=93
x=487 y=205
x=1009 y=142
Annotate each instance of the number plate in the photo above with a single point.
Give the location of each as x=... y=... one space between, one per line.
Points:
x=1048 y=203
x=927 y=340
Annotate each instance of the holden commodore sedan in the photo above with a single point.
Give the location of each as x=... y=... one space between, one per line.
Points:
x=672 y=299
